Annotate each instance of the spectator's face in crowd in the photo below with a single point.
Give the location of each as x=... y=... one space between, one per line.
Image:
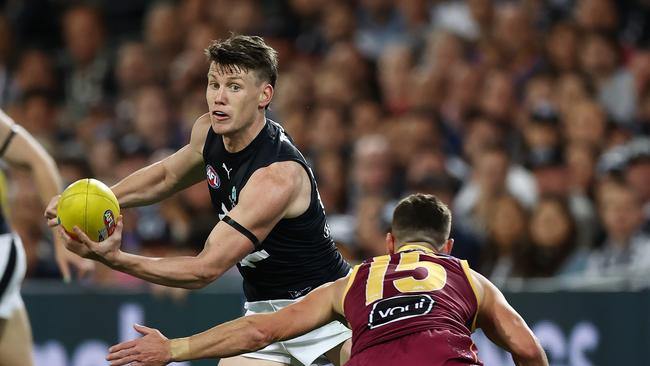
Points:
x=539 y=91
x=103 y=157
x=541 y=134
x=394 y=68
x=562 y=46
x=508 y=223
x=464 y=85
x=640 y=68
x=596 y=15
x=328 y=132
x=491 y=170
x=237 y=93
x=480 y=133
x=35 y=71
x=481 y=11
x=497 y=96
x=551 y=179
x=372 y=164
x=337 y=23
x=586 y=124
x=570 y=89
x=512 y=29
x=444 y=51
x=133 y=69
x=637 y=175
x=84 y=35
x=152 y=117
x=620 y=211
x=550 y=224
x=331 y=185
x=580 y=159
x=597 y=56
x=366 y=118
x=369 y=232
x=159 y=30
x=39 y=115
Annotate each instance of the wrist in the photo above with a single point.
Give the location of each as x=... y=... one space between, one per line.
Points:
x=179 y=349
x=113 y=259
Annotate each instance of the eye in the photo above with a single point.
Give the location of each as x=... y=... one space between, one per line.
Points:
x=235 y=87
x=213 y=85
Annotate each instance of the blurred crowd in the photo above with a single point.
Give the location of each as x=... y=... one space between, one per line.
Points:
x=529 y=118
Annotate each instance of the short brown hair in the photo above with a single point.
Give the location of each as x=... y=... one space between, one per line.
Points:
x=245 y=53
x=422 y=217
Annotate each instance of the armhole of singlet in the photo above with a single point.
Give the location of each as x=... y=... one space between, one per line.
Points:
x=470 y=279
x=349 y=284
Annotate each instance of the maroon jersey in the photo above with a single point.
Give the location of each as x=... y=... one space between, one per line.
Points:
x=418 y=293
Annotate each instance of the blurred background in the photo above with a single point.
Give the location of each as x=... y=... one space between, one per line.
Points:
x=530 y=119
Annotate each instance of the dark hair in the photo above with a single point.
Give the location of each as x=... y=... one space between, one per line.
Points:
x=244 y=53
x=422 y=217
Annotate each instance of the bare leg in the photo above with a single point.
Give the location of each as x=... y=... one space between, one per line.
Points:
x=16 y=339
x=340 y=354
x=245 y=361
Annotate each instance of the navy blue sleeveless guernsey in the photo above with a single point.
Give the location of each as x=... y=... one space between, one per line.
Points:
x=299 y=254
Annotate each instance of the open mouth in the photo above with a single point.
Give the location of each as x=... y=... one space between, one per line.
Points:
x=220 y=115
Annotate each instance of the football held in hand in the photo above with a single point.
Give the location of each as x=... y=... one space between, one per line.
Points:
x=90 y=205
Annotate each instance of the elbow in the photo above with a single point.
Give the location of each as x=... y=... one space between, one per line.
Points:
x=204 y=276
x=531 y=353
x=258 y=336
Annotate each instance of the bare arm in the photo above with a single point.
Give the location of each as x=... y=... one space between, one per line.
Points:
x=168 y=176
x=23 y=150
x=505 y=327
x=242 y=335
x=268 y=196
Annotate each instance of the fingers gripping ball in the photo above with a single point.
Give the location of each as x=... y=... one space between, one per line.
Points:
x=90 y=205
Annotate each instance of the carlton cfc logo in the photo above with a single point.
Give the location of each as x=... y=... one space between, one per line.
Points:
x=213 y=178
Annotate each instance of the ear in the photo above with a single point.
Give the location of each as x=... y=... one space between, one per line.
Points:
x=390 y=243
x=265 y=96
x=449 y=245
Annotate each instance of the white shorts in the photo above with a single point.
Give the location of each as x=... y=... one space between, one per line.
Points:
x=308 y=349
x=12 y=273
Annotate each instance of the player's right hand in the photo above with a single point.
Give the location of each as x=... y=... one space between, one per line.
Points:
x=153 y=349
x=50 y=212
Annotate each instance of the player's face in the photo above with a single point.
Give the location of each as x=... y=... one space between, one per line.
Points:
x=234 y=97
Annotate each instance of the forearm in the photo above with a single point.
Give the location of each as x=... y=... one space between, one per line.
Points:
x=143 y=187
x=229 y=339
x=182 y=271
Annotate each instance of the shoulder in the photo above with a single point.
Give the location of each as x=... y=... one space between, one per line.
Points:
x=200 y=128
x=280 y=179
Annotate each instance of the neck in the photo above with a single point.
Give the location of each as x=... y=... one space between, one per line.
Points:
x=238 y=140
x=407 y=245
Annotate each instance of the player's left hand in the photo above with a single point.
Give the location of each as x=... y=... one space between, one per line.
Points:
x=106 y=251
x=153 y=349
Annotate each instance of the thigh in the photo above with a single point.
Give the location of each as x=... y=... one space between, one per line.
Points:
x=340 y=354
x=246 y=361
x=16 y=339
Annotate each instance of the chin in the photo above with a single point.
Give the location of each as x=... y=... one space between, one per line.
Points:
x=223 y=127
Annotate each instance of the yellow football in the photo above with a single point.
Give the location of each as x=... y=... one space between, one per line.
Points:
x=90 y=205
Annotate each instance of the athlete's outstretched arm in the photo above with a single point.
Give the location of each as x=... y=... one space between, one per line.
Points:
x=505 y=327
x=158 y=180
x=242 y=335
x=23 y=150
x=266 y=198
